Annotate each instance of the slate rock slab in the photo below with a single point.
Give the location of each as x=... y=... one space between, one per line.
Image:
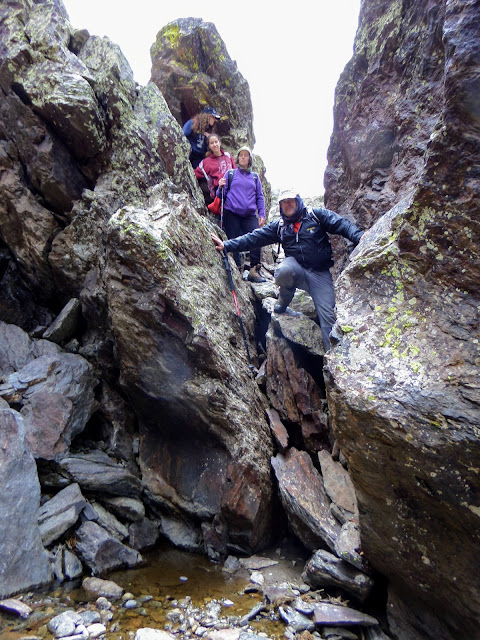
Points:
x=332 y=615
x=24 y=562
x=96 y=471
x=60 y=513
x=101 y=552
x=305 y=500
x=324 y=570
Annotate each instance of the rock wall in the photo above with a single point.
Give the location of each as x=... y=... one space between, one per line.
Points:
x=79 y=140
x=103 y=229
x=19 y=502
x=124 y=377
x=403 y=378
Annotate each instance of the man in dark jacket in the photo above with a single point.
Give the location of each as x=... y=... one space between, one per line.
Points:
x=308 y=253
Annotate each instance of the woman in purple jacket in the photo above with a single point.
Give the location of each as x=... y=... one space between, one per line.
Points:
x=243 y=198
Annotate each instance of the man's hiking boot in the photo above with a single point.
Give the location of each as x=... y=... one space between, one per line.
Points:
x=254 y=274
x=280 y=306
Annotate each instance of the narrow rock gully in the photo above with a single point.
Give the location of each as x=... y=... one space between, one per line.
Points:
x=274 y=594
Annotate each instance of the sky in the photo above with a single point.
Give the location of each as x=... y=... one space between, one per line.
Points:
x=291 y=56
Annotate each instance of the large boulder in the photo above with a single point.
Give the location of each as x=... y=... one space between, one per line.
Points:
x=53 y=390
x=380 y=135
x=193 y=69
x=403 y=379
x=205 y=444
x=24 y=562
x=305 y=500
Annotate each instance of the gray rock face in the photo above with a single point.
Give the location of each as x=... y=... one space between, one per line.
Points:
x=325 y=570
x=109 y=522
x=81 y=140
x=72 y=567
x=17 y=349
x=143 y=534
x=53 y=390
x=181 y=534
x=182 y=358
x=338 y=483
x=403 y=380
x=291 y=389
x=65 y=324
x=101 y=552
x=130 y=509
x=304 y=499
x=23 y=561
x=60 y=513
x=204 y=442
x=96 y=471
x=56 y=397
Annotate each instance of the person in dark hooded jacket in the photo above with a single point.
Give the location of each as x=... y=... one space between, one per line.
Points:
x=308 y=253
x=197 y=131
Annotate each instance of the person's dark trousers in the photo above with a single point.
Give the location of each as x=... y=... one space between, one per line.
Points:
x=237 y=226
x=289 y=275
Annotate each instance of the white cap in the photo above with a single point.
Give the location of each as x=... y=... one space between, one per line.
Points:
x=245 y=148
x=287 y=194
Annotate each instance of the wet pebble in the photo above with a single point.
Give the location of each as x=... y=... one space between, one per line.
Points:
x=64 y=624
x=89 y=617
x=16 y=606
x=303 y=607
x=96 y=630
x=130 y=604
x=200 y=631
x=102 y=603
x=106 y=616
x=144 y=599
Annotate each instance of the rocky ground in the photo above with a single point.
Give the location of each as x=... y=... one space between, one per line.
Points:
x=261 y=596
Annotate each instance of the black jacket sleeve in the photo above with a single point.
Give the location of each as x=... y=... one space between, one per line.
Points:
x=334 y=223
x=258 y=238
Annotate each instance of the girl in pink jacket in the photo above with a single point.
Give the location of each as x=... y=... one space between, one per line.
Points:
x=214 y=166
